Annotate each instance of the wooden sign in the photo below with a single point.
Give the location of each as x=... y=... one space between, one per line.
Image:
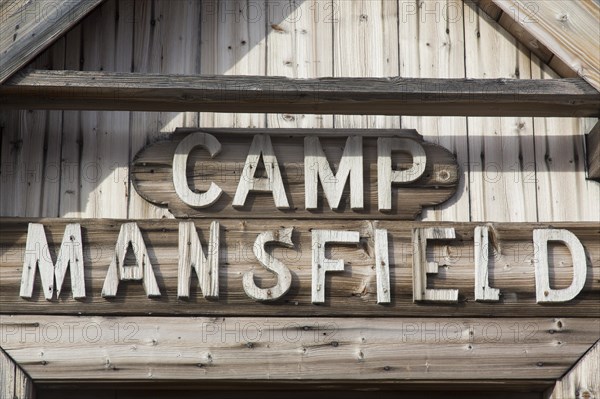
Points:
x=248 y=173
x=298 y=267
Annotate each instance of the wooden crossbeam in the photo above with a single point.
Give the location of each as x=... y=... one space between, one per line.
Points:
x=79 y=90
x=367 y=349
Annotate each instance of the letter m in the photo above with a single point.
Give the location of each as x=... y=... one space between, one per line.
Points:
x=37 y=256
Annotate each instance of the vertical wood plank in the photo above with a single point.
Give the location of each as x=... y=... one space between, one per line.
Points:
x=158 y=48
x=179 y=52
x=107 y=46
x=50 y=163
x=11 y=196
x=14 y=383
x=431 y=43
x=143 y=127
x=563 y=193
x=90 y=171
x=366 y=45
x=233 y=42
x=31 y=176
x=72 y=136
x=501 y=150
x=300 y=45
x=24 y=388
x=7 y=376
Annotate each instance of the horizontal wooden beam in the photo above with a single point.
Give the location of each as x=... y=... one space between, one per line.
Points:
x=81 y=90
x=350 y=292
x=300 y=388
x=71 y=348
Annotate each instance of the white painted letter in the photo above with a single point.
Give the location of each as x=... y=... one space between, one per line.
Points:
x=284 y=277
x=261 y=145
x=130 y=236
x=483 y=291
x=191 y=256
x=37 y=255
x=382 y=266
x=316 y=167
x=321 y=265
x=386 y=176
x=200 y=200
x=543 y=291
x=421 y=267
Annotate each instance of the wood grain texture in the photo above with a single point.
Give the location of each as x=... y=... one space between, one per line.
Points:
x=130 y=237
x=593 y=152
x=569 y=29
x=483 y=291
x=155 y=349
x=300 y=45
x=488 y=6
x=193 y=257
x=281 y=237
x=501 y=150
x=317 y=171
x=352 y=292
x=563 y=192
x=14 y=383
x=422 y=267
x=233 y=42
x=158 y=48
x=104 y=145
x=321 y=264
x=582 y=381
x=431 y=45
x=29 y=27
x=38 y=259
x=231 y=171
x=365 y=44
x=507 y=21
x=93 y=90
x=7 y=375
x=71 y=137
x=541 y=239
x=32 y=150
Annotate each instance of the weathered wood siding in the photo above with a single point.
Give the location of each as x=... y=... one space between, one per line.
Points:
x=75 y=164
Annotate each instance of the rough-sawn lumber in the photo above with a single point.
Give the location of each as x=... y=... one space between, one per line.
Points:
x=86 y=90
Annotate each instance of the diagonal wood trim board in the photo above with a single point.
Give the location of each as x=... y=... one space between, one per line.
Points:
x=569 y=29
x=27 y=28
x=582 y=381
